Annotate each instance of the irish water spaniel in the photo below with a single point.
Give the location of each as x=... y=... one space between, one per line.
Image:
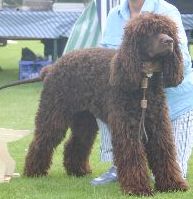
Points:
x=101 y=83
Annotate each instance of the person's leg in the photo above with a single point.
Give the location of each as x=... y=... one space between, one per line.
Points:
x=183 y=134
x=106 y=155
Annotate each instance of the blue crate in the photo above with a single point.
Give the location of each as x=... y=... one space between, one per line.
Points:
x=31 y=69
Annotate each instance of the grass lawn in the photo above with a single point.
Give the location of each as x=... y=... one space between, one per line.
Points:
x=18 y=106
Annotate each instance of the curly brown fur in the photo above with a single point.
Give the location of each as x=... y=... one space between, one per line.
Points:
x=105 y=84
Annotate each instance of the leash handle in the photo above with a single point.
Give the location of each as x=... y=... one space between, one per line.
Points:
x=144 y=83
x=143 y=103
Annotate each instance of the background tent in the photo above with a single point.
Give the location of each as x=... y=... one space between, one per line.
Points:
x=88 y=28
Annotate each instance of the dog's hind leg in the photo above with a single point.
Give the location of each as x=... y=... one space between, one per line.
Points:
x=162 y=154
x=51 y=127
x=78 y=147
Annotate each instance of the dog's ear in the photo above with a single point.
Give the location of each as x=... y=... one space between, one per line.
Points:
x=173 y=67
x=123 y=74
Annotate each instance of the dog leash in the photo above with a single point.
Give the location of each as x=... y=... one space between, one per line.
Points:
x=143 y=103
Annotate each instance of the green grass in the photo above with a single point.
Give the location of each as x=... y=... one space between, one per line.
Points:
x=18 y=106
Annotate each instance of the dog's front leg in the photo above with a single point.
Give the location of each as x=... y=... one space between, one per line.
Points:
x=161 y=152
x=129 y=156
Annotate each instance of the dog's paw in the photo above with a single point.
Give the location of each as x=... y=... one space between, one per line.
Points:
x=173 y=186
x=34 y=173
x=78 y=173
x=145 y=191
x=77 y=170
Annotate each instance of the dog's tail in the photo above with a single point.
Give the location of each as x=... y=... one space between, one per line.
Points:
x=27 y=81
x=44 y=73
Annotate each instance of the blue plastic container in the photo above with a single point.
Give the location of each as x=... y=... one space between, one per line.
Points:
x=31 y=69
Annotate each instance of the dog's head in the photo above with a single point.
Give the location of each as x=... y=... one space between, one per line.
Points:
x=155 y=46
x=148 y=38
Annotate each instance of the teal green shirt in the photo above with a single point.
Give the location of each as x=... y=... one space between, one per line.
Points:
x=180 y=98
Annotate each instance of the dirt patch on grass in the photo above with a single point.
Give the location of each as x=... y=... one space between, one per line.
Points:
x=10 y=135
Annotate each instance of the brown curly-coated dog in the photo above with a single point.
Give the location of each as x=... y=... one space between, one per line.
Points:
x=106 y=84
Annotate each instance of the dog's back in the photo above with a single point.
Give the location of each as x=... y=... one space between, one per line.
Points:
x=81 y=77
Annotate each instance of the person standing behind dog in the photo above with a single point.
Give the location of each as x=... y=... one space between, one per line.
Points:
x=180 y=98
